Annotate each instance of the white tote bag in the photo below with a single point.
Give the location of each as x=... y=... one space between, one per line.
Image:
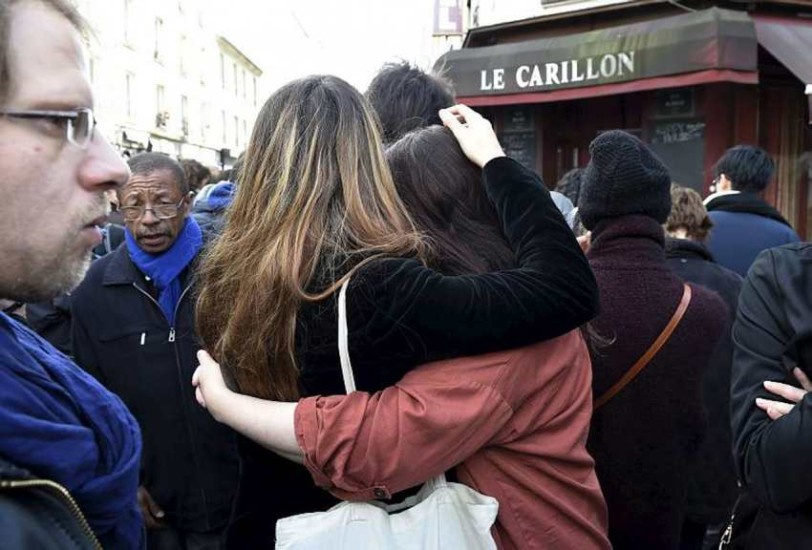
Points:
x=441 y=516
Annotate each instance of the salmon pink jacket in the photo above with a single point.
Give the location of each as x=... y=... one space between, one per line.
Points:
x=512 y=424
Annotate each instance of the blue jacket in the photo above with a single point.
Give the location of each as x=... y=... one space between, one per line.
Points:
x=738 y=237
x=210 y=206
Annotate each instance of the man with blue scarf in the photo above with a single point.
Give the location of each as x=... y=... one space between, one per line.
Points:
x=69 y=449
x=133 y=329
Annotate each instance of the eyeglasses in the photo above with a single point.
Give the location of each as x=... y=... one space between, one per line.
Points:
x=160 y=211
x=78 y=125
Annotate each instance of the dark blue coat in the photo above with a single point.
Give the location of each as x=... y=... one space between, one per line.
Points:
x=738 y=237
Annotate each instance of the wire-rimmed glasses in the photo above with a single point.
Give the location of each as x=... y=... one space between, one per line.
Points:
x=160 y=211
x=79 y=123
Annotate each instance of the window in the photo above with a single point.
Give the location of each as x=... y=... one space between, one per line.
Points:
x=160 y=93
x=244 y=87
x=222 y=70
x=237 y=132
x=129 y=32
x=205 y=121
x=223 y=125
x=204 y=59
x=184 y=115
x=236 y=87
x=255 y=91
x=128 y=94
x=182 y=55
x=159 y=38
x=161 y=114
x=245 y=131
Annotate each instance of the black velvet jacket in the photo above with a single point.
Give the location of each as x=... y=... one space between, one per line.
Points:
x=402 y=314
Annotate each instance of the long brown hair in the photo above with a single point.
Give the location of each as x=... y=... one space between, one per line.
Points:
x=315 y=201
x=444 y=193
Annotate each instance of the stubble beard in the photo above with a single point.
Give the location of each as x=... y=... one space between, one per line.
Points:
x=59 y=276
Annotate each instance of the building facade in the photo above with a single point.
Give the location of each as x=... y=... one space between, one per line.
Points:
x=165 y=82
x=690 y=78
x=493 y=12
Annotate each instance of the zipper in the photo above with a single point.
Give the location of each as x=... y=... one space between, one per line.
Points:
x=177 y=308
x=192 y=438
x=154 y=301
x=63 y=495
x=727 y=535
x=172 y=338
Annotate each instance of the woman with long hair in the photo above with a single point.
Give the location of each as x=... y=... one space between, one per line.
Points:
x=317 y=205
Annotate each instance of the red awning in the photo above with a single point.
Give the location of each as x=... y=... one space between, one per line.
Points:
x=790 y=41
x=689 y=79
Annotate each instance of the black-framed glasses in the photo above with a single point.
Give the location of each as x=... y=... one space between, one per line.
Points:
x=79 y=124
x=160 y=211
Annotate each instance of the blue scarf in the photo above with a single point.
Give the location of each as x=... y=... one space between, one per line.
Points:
x=164 y=269
x=58 y=422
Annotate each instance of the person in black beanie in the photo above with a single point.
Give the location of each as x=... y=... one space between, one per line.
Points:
x=644 y=437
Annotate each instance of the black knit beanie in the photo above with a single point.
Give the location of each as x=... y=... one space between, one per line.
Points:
x=623 y=177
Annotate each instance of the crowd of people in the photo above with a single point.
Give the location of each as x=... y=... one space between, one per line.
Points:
x=615 y=364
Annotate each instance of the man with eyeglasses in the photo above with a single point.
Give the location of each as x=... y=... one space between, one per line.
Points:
x=743 y=223
x=133 y=329
x=69 y=449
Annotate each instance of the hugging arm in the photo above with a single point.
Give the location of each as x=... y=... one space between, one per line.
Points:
x=363 y=446
x=551 y=292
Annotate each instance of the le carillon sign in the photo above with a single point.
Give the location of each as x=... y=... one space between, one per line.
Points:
x=713 y=39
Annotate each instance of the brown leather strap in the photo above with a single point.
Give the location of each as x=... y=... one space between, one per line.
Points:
x=650 y=353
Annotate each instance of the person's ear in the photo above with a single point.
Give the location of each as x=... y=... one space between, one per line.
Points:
x=724 y=183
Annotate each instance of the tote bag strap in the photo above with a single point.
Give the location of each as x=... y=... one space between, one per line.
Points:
x=650 y=352
x=346 y=365
x=343 y=340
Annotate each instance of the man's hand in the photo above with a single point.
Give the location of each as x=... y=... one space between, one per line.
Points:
x=777 y=409
x=585 y=242
x=153 y=515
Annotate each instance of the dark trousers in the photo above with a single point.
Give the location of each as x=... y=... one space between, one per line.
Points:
x=698 y=536
x=172 y=539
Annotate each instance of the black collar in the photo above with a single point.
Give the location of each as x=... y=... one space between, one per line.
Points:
x=749 y=203
x=120 y=269
x=684 y=248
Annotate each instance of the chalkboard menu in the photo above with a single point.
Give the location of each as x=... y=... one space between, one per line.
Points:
x=521 y=147
x=678 y=132
x=518 y=136
x=680 y=144
x=675 y=103
x=519 y=120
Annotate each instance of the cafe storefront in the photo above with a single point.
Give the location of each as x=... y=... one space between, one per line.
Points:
x=689 y=85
